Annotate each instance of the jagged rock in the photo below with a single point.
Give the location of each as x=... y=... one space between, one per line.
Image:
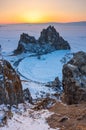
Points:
x=56 y=84
x=27 y=95
x=27 y=39
x=49 y=41
x=10 y=85
x=74 y=79
x=52 y=37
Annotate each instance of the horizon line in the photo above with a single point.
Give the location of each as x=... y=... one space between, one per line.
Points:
x=43 y=22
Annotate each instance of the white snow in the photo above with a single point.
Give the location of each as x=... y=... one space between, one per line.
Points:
x=38 y=90
x=29 y=120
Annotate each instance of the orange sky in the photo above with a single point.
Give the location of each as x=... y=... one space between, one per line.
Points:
x=39 y=11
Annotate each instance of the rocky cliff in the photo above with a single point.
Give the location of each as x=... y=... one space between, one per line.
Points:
x=10 y=85
x=74 y=79
x=49 y=41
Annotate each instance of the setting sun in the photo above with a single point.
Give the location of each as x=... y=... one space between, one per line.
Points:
x=33 y=17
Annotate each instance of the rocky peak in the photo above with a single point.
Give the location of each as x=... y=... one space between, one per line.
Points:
x=10 y=85
x=74 y=79
x=48 y=35
x=49 y=41
x=51 y=36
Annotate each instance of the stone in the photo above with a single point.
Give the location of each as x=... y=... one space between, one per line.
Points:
x=27 y=95
x=27 y=39
x=56 y=84
x=49 y=41
x=10 y=85
x=74 y=79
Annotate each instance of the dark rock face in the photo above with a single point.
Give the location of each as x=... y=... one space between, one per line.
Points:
x=27 y=95
x=74 y=79
x=49 y=41
x=27 y=39
x=10 y=85
x=52 y=37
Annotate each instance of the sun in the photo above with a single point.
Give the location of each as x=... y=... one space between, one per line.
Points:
x=34 y=17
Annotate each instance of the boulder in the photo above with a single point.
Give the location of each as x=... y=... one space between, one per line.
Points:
x=10 y=85
x=27 y=95
x=49 y=41
x=74 y=79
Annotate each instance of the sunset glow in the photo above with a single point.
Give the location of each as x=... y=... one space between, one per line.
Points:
x=39 y=11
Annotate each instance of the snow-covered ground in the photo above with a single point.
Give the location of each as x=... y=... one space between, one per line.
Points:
x=26 y=120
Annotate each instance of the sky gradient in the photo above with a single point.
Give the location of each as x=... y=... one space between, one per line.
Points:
x=39 y=11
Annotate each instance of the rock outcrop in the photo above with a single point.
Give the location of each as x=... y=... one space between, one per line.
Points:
x=74 y=79
x=49 y=41
x=56 y=84
x=52 y=37
x=27 y=95
x=10 y=85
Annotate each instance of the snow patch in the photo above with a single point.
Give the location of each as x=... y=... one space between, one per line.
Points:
x=32 y=120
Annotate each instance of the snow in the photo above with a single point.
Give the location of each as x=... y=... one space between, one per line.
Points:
x=32 y=120
x=38 y=90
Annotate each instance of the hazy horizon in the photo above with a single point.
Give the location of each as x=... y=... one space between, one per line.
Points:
x=74 y=22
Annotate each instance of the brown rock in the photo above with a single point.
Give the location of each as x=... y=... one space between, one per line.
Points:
x=10 y=85
x=74 y=79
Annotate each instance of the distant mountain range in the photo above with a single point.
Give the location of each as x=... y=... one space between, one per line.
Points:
x=81 y=23
x=76 y=23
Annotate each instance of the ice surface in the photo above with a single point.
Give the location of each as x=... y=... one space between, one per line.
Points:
x=45 y=69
